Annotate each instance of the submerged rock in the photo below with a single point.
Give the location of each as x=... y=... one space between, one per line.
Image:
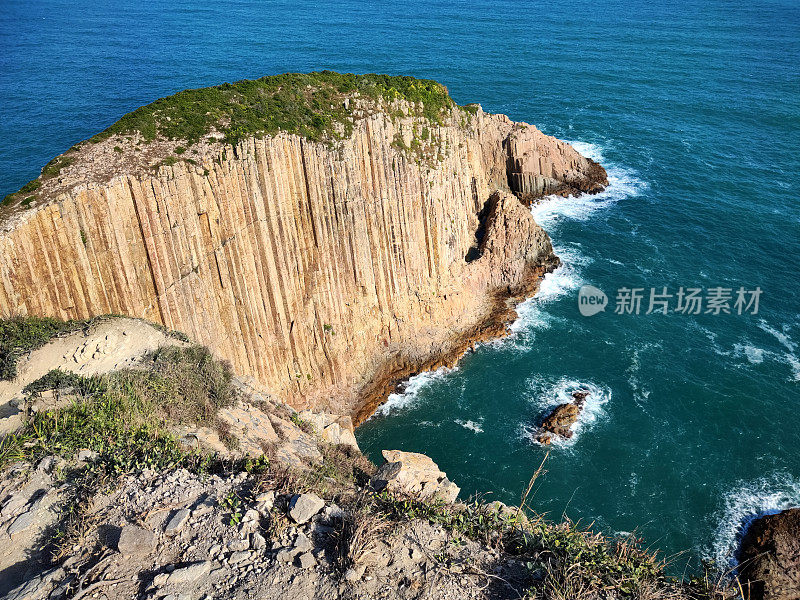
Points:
x=769 y=557
x=561 y=419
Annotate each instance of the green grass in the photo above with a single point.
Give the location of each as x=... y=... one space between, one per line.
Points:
x=180 y=385
x=126 y=415
x=311 y=105
x=60 y=380
x=54 y=167
x=565 y=561
x=28 y=188
x=24 y=334
x=103 y=424
x=308 y=104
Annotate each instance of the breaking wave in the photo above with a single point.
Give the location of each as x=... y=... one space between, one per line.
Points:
x=745 y=501
x=410 y=390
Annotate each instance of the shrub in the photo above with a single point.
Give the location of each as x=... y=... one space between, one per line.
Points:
x=357 y=533
x=181 y=385
x=309 y=104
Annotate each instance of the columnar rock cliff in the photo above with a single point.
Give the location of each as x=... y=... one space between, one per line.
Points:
x=325 y=271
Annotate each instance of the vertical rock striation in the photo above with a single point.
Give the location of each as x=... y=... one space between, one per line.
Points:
x=325 y=273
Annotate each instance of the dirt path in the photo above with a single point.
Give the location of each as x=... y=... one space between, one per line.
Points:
x=108 y=345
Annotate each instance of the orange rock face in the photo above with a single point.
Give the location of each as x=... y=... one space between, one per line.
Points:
x=324 y=273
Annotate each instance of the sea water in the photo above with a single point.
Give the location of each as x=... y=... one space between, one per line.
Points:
x=693 y=108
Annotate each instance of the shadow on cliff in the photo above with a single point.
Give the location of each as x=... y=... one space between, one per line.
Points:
x=476 y=251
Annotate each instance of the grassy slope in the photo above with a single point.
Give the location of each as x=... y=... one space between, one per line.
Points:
x=25 y=334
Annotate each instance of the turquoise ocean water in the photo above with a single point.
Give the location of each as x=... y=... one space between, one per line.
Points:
x=694 y=109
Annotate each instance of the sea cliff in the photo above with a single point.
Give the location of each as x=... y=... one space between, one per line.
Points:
x=378 y=234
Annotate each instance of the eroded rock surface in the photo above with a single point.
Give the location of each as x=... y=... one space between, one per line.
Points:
x=327 y=274
x=769 y=557
x=560 y=421
x=185 y=543
x=413 y=474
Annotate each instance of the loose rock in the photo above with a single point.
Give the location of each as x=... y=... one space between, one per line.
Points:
x=414 y=474
x=135 y=541
x=177 y=521
x=305 y=506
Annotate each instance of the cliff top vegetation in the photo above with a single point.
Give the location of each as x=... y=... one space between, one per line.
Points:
x=121 y=427
x=308 y=104
x=313 y=105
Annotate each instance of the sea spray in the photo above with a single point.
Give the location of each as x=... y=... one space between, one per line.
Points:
x=546 y=395
x=409 y=391
x=745 y=501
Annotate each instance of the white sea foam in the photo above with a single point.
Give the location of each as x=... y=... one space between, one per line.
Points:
x=565 y=280
x=548 y=213
x=622 y=183
x=786 y=355
x=781 y=336
x=794 y=362
x=547 y=395
x=790 y=357
x=712 y=338
x=640 y=393
x=754 y=355
x=407 y=396
x=745 y=501
x=471 y=425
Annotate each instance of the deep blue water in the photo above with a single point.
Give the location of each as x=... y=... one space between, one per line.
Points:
x=693 y=107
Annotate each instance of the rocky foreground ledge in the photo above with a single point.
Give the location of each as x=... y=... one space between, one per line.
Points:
x=140 y=467
x=769 y=557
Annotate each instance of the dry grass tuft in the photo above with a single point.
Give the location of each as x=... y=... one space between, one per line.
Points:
x=357 y=533
x=182 y=385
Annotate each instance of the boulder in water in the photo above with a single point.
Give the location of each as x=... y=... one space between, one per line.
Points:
x=560 y=421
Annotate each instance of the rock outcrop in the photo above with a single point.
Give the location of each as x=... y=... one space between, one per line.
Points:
x=325 y=272
x=560 y=420
x=285 y=547
x=769 y=557
x=415 y=475
x=538 y=164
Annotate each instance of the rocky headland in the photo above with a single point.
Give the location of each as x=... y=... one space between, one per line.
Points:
x=769 y=557
x=327 y=234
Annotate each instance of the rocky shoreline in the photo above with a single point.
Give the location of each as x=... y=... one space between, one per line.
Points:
x=769 y=557
x=326 y=266
x=258 y=499
x=495 y=325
